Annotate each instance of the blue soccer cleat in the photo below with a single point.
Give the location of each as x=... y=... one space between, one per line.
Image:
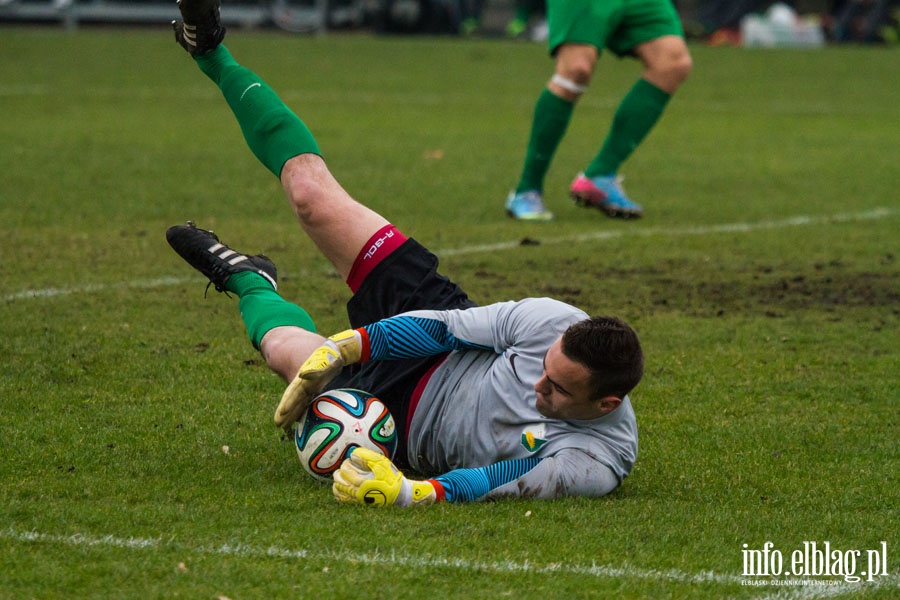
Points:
x=605 y=193
x=527 y=206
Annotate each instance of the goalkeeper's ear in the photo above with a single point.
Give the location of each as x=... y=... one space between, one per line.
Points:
x=608 y=404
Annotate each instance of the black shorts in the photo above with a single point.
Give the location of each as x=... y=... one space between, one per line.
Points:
x=406 y=280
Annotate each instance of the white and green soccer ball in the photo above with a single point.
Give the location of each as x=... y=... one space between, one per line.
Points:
x=338 y=421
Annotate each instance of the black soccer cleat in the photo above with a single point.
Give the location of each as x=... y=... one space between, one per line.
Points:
x=200 y=30
x=203 y=251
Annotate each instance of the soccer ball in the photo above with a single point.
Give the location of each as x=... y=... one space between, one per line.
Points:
x=338 y=421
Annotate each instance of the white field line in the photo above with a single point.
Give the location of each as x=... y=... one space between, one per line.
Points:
x=241 y=550
x=96 y=287
x=798 y=221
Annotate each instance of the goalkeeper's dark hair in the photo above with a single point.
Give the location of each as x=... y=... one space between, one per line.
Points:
x=611 y=351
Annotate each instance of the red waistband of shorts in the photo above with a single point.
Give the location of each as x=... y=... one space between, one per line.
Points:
x=380 y=245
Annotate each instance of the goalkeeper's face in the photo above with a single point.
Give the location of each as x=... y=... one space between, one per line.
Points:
x=565 y=389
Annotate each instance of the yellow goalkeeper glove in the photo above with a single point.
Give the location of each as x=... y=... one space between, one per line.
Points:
x=321 y=367
x=370 y=478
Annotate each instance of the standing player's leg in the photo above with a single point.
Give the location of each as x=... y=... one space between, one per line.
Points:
x=574 y=64
x=577 y=32
x=666 y=66
x=651 y=30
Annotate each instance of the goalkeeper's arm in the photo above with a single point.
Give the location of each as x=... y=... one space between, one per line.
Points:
x=370 y=478
x=406 y=336
x=402 y=336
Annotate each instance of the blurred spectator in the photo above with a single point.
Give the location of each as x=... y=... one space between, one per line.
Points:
x=470 y=16
x=419 y=16
x=866 y=21
x=526 y=11
x=718 y=14
x=718 y=22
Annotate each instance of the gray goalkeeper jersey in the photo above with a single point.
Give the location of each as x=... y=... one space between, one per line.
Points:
x=478 y=408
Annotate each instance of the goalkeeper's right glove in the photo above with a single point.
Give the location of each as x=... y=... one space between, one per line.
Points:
x=323 y=365
x=371 y=479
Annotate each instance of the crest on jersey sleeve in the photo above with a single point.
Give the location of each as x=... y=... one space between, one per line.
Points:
x=533 y=438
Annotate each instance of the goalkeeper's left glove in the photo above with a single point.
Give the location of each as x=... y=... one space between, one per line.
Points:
x=323 y=365
x=370 y=478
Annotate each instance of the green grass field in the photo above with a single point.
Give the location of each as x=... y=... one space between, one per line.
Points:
x=138 y=458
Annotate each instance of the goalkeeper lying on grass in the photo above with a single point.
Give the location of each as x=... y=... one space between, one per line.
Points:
x=525 y=398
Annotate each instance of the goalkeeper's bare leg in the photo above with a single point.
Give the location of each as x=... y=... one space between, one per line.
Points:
x=338 y=225
x=341 y=227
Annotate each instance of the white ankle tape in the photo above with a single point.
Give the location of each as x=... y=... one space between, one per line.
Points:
x=567 y=84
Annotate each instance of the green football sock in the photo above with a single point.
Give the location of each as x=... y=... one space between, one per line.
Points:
x=551 y=118
x=635 y=117
x=262 y=308
x=273 y=132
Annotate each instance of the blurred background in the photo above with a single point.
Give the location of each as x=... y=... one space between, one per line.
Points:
x=808 y=23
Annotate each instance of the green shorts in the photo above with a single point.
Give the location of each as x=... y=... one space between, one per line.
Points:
x=618 y=25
